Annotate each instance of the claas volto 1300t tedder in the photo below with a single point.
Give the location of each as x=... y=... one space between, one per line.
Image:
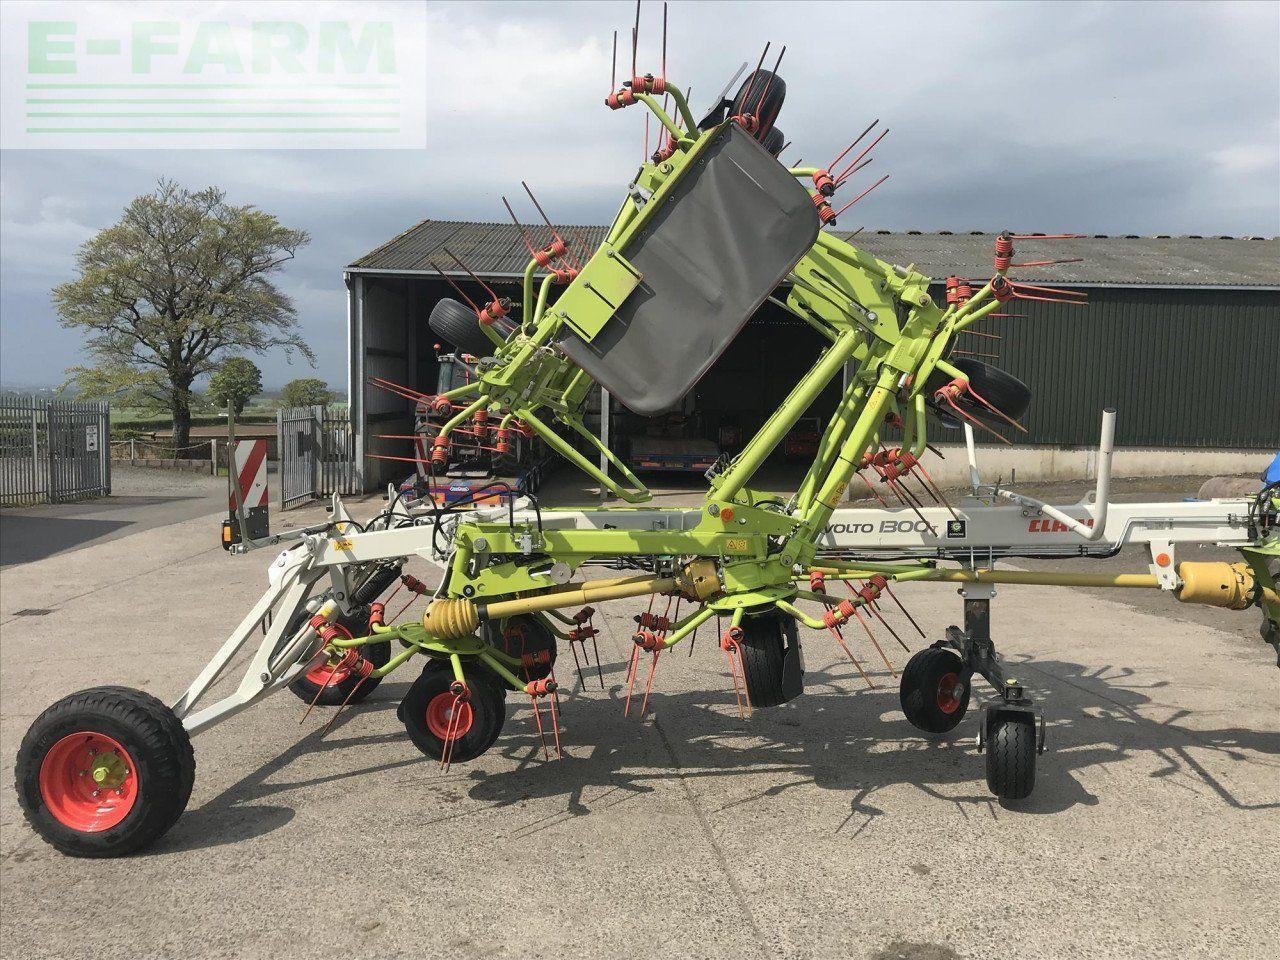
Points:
x=712 y=226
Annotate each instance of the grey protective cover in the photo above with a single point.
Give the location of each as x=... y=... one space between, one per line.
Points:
x=738 y=224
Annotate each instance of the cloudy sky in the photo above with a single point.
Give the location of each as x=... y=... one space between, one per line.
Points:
x=1092 y=117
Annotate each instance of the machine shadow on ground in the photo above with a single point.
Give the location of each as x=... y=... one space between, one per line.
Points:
x=857 y=744
x=29 y=534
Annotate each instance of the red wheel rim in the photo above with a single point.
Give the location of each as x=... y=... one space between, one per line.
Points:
x=329 y=674
x=440 y=717
x=948 y=702
x=88 y=782
x=332 y=674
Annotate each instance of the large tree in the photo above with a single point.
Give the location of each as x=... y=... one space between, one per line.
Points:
x=236 y=381
x=305 y=392
x=182 y=278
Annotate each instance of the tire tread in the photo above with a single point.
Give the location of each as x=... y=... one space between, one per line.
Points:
x=159 y=736
x=763 y=650
x=1011 y=758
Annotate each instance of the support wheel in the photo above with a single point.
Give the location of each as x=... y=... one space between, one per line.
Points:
x=933 y=690
x=760 y=95
x=1011 y=747
x=771 y=659
x=428 y=712
x=457 y=323
x=524 y=636
x=341 y=676
x=104 y=772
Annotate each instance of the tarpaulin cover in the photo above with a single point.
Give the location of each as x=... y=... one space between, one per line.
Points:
x=732 y=229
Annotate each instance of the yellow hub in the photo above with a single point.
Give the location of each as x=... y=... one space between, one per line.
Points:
x=109 y=770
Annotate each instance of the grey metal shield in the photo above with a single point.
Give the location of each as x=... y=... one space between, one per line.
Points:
x=732 y=229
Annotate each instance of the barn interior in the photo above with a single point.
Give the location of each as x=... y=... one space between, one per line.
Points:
x=1163 y=314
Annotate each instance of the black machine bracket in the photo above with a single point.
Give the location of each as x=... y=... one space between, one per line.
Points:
x=976 y=648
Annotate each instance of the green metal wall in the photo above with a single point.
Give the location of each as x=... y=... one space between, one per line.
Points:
x=1194 y=368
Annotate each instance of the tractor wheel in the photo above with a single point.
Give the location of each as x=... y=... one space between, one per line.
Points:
x=525 y=635
x=457 y=324
x=338 y=679
x=1010 y=743
x=427 y=712
x=770 y=659
x=933 y=690
x=104 y=772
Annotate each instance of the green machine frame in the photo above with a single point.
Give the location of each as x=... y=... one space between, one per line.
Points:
x=744 y=554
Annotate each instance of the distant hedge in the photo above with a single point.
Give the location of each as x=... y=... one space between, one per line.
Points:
x=166 y=423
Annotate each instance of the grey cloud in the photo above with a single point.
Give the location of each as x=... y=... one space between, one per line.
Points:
x=1102 y=118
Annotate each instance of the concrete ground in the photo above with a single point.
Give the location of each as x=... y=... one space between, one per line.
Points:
x=827 y=827
x=142 y=499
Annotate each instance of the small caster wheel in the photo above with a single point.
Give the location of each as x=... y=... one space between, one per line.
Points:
x=104 y=772
x=1011 y=747
x=933 y=690
x=428 y=712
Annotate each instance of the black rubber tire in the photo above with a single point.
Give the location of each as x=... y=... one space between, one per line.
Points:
x=918 y=690
x=762 y=99
x=774 y=141
x=764 y=643
x=456 y=323
x=379 y=654
x=1011 y=756
x=1002 y=390
x=488 y=710
x=165 y=768
x=517 y=636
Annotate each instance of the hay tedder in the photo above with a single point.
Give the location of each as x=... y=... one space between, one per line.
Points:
x=712 y=226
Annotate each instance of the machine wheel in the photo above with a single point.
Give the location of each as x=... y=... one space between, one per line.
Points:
x=774 y=141
x=339 y=680
x=1011 y=748
x=766 y=643
x=104 y=772
x=762 y=99
x=928 y=690
x=426 y=712
x=521 y=635
x=341 y=677
x=1002 y=390
x=456 y=322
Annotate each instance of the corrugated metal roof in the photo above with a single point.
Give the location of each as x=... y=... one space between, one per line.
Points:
x=496 y=250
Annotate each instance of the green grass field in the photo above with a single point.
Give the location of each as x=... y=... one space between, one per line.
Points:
x=142 y=418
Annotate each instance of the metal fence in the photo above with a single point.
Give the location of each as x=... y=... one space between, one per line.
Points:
x=317 y=454
x=53 y=451
x=161 y=453
x=338 y=472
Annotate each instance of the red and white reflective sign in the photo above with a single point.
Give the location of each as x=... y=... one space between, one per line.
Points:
x=422 y=453
x=250 y=470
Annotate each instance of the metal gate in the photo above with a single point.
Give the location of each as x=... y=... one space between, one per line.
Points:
x=317 y=454
x=53 y=450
